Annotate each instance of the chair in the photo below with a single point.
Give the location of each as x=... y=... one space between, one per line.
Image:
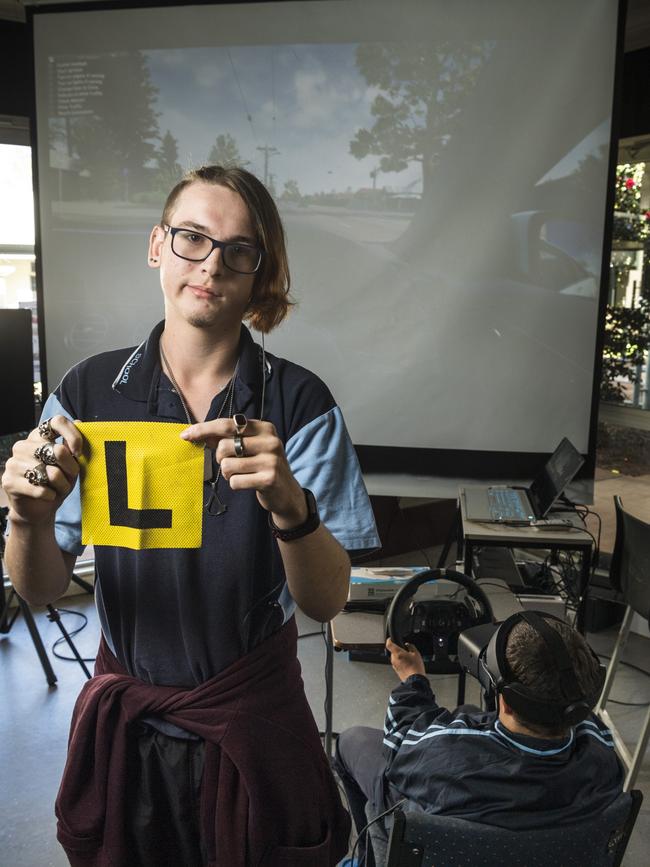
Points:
x=629 y=577
x=426 y=840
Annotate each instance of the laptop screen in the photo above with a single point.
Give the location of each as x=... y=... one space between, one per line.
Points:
x=556 y=474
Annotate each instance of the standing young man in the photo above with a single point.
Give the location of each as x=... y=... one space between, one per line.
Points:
x=197 y=745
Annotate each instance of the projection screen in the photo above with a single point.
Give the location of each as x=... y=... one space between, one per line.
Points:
x=441 y=170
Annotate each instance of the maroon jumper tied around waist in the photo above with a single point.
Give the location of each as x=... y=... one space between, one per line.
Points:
x=268 y=796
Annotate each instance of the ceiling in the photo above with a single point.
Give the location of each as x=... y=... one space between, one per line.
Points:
x=637 y=30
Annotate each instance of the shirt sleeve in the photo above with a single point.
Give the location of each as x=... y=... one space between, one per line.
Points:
x=322 y=458
x=412 y=712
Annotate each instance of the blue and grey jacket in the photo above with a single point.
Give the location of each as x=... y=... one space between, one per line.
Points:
x=468 y=765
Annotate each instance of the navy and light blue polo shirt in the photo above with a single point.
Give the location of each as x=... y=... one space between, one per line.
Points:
x=179 y=616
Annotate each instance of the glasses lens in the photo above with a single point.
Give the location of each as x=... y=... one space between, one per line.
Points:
x=239 y=257
x=191 y=245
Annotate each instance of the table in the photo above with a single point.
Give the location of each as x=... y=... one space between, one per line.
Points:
x=475 y=534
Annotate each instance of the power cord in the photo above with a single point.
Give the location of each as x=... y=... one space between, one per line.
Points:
x=584 y=511
x=636 y=668
x=71 y=633
x=366 y=828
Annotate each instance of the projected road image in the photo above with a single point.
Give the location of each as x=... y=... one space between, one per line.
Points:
x=488 y=350
x=393 y=213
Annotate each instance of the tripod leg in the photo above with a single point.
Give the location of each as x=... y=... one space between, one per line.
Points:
x=84 y=584
x=38 y=643
x=7 y=622
x=54 y=615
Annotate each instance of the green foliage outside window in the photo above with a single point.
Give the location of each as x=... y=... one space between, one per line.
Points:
x=627 y=329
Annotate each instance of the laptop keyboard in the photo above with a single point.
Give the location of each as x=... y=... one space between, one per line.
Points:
x=505 y=505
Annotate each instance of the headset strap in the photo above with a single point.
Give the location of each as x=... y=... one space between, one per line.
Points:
x=551 y=637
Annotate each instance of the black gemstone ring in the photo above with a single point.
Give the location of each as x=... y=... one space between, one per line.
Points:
x=240 y=422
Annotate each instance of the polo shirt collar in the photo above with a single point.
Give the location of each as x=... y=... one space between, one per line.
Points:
x=139 y=377
x=534 y=745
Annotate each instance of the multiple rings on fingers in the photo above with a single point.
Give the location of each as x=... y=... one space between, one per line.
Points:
x=45 y=454
x=46 y=430
x=240 y=421
x=37 y=476
x=240 y=451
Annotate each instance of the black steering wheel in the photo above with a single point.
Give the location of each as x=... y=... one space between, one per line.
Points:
x=433 y=626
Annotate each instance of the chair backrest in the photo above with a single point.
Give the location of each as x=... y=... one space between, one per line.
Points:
x=615 y=564
x=630 y=569
x=425 y=840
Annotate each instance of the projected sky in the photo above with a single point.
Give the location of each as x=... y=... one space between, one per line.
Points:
x=304 y=101
x=318 y=118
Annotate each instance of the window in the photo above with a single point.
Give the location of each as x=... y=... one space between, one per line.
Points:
x=17 y=275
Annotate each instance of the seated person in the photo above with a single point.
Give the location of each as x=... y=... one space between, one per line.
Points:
x=491 y=767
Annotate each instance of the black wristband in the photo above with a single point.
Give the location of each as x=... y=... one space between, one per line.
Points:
x=308 y=526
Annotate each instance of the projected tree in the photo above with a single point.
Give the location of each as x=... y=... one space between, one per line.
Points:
x=114 y=146
x=225 y=152
x=291 y=191
x=169 y=169
x=423 y=89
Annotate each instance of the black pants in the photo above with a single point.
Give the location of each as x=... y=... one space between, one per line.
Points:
x=163 y=800
x=360 y=763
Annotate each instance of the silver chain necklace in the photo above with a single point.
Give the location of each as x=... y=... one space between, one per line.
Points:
x=213 y=505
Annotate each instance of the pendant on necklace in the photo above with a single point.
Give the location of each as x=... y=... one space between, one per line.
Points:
x=213 y=505
x=211 y=475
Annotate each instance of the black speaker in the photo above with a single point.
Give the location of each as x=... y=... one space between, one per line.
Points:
x=16 y=372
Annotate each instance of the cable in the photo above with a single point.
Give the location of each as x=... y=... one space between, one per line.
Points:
x=328 y=698
x=629 y=664
x=310 y=634
x=636 y=668
x=365 y=828
x=583 y=514
x=71 y=634
x=491 y=584
x=241 y=94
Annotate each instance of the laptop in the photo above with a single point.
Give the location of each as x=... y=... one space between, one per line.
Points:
x=499 y=503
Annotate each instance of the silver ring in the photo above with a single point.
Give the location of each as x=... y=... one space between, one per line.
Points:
x=45 y=454
x=240 y=421
x=46 y=430
x=37 y=476
x=240 y=451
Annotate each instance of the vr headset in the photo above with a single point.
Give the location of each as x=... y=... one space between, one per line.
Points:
x=482 y=653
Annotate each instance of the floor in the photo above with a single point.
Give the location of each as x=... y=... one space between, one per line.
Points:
x=34 y=718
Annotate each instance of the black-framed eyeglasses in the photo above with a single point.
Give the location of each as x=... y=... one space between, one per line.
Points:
x=196 y=247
